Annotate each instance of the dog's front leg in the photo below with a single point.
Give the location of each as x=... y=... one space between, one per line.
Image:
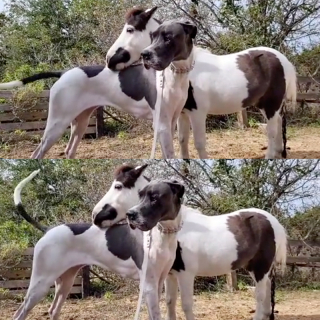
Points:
x=152 y=300
x=165 y=137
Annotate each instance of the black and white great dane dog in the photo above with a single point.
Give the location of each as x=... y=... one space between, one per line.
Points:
x=207 y=245
x=65 y=249
x=80 y=90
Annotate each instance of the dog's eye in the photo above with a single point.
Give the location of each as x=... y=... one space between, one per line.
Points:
x=153 y=198
x=130 y=30
x=166 y=38
x=118 y=186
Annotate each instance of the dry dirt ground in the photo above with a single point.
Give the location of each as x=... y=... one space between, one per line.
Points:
x=214 y=306
x=248 y=143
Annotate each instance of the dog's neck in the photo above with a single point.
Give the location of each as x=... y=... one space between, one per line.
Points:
x=170 y=227
x=181 y=67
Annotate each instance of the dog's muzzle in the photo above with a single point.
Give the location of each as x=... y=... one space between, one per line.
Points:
x=120 y=56
x=105 y=216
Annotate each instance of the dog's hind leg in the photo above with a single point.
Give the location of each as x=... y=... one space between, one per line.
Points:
x=78 y=130
x=63 y=286
x=36 y=291
x=171 y=290
x=73 y=125
x=186 y=283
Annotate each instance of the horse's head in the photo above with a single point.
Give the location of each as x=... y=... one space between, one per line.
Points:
x=134 y=38
x=122 y=195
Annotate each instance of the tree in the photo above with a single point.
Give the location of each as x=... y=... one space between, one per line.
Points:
x=232 y=25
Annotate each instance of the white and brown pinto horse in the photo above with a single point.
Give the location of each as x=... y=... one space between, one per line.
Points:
x=220 y=84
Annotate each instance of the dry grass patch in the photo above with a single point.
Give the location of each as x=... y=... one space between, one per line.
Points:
x=221 y=144
x=296 y=305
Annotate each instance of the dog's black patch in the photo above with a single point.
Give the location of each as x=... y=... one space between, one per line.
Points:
x=138 y=83
x=78 y=228
x=92 y=71
x=125 y=243
x=178 y=264
x=191 y=102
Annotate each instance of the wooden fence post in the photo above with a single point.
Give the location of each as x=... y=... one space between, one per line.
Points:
x=85 y=281
x=242 y=117
x=232 y=283
x=99 y=122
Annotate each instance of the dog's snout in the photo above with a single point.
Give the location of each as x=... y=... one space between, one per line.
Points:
x=146 y=55
x=132 y=214
x=106 y=213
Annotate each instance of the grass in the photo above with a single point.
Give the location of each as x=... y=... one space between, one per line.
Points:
x=291 y=305
x=222 y=143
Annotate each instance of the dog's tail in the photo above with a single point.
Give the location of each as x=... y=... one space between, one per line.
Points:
x=20 y=208
x=35 y=77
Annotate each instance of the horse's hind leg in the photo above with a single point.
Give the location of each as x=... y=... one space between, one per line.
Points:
x=63 y=286
x=274 y=129
x=264 y=296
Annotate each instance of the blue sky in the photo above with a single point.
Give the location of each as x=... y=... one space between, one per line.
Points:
x=1 y=5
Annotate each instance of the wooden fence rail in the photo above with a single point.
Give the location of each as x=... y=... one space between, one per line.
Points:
x=32 y=121
x=15 y=281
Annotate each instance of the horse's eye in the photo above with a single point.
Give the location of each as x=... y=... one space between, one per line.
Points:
x=118 y=186
x=130 y=30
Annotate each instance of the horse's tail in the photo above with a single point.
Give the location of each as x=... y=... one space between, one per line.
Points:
x=35 y=77
x=281 y=248
x=291 y=85
x=20 y=208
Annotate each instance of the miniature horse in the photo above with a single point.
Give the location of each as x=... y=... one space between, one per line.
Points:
x=220 y=84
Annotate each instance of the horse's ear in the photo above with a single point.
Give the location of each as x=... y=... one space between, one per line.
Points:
x=150 y=12
x=189 y=28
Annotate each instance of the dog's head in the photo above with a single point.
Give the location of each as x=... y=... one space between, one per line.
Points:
x=134 y=38
x=159 y=201
x=172 y=41
x=122 y=195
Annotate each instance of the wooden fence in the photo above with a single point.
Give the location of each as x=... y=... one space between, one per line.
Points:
x=307 y=96
x=32 y=121
x=15 y=281
x=293 y=259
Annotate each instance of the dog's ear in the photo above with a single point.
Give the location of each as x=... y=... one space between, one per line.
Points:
x=150 y=12
x=138 y=170
x=177 y=188
x=189 y=28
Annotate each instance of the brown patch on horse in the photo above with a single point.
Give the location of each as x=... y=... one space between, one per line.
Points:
x=128 y=174
x=139 y=18
x=256 y=242
x=266 y=80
